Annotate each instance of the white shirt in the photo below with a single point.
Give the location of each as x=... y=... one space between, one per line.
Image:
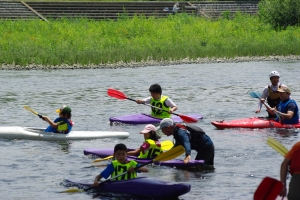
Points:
x=265 y=93
x=168 y=101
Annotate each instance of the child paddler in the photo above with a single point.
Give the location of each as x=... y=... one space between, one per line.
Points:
x=63 y=124
x=151 y=146
x=161 y=101
x=119 y=166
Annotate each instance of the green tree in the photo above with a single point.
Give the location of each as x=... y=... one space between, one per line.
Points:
x=280 y=13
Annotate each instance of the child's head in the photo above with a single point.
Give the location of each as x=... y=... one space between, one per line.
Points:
x=64 y=111
x=155 y=91
x=150 y=132
x=120 y=152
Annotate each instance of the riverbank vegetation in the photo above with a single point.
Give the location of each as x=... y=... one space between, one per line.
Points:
x=280 y=14
x=138 y=39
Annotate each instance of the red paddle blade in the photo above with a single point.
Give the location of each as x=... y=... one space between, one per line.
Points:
x=187 y=118
x=268 y=189
x=116 y=93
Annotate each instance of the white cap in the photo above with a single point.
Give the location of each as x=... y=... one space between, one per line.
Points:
x=165 y=123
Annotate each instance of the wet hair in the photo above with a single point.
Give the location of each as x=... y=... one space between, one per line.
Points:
x=154 y=136
x=155 y=88
x=120 y=147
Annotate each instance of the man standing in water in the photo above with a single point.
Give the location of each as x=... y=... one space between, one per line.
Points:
x=270 y=93
x=191 y=137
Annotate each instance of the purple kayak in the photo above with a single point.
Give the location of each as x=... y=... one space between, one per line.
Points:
x=146 y=119
x=142 y=187
x=102 y=153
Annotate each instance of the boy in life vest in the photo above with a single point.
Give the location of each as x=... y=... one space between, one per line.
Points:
x=270 y=93
x=63 y=124
x=287 y=109
x=151 y=146
x=158 y=100
x=291 y=162
x=119 y=166
x=191 y=137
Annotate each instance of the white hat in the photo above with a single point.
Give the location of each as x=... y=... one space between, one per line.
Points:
x=165 y=123
x=274 y=73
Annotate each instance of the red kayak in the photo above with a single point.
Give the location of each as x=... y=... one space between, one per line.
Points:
x=253 y=122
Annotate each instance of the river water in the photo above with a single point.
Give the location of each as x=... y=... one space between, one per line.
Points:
x=35 y=169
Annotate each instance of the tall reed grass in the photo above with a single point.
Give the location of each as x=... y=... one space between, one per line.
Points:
x=179 y=36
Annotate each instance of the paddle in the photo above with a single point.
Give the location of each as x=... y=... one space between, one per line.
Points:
x=34 y=112
x=168 y=155
x=268 y=189
x=165 y=145
x=277 y=146
x=258 y=96
x=120 y=95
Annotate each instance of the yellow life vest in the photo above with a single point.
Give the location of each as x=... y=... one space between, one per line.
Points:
x=272 y=94
x=121 y=168
x=62 y=127
x=160 y=104
x=153 y=151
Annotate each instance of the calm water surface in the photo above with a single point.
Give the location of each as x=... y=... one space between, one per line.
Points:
x=35 y=169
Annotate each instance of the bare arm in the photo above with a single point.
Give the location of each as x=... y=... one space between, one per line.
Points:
x=173 y=109
x=283 y=174
x=264 y=95
x=287 y=115
x=96 y=181
x=134 y=152
x=142 y=169
x=143 y=101
x=187 y=159
x=139 y=101
x=51 y=123
x=170 y=103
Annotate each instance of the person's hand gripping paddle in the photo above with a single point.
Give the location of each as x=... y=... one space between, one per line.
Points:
x=168 y=155
x=165 y=145
x=120 y=95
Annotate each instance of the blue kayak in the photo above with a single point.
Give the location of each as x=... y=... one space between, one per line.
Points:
x=146 y=119
x=141 y=187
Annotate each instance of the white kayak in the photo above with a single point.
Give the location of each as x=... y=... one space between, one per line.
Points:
x=32 y=133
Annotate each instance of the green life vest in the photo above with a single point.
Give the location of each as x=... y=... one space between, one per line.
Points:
x=160 y=104
x=153 y=151
x=63 y=126
x=121 y=168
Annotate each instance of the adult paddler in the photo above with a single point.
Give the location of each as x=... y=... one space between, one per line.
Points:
x=270 y=93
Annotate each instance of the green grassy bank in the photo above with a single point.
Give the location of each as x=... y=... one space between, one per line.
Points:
x=179 y=36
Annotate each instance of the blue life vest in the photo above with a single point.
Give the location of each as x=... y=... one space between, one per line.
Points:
x=282 y=107
x=57 y=130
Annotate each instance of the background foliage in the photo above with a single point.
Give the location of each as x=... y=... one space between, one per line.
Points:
x=280 y=13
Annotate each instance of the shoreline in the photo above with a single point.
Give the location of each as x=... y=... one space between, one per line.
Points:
x=149 y=62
